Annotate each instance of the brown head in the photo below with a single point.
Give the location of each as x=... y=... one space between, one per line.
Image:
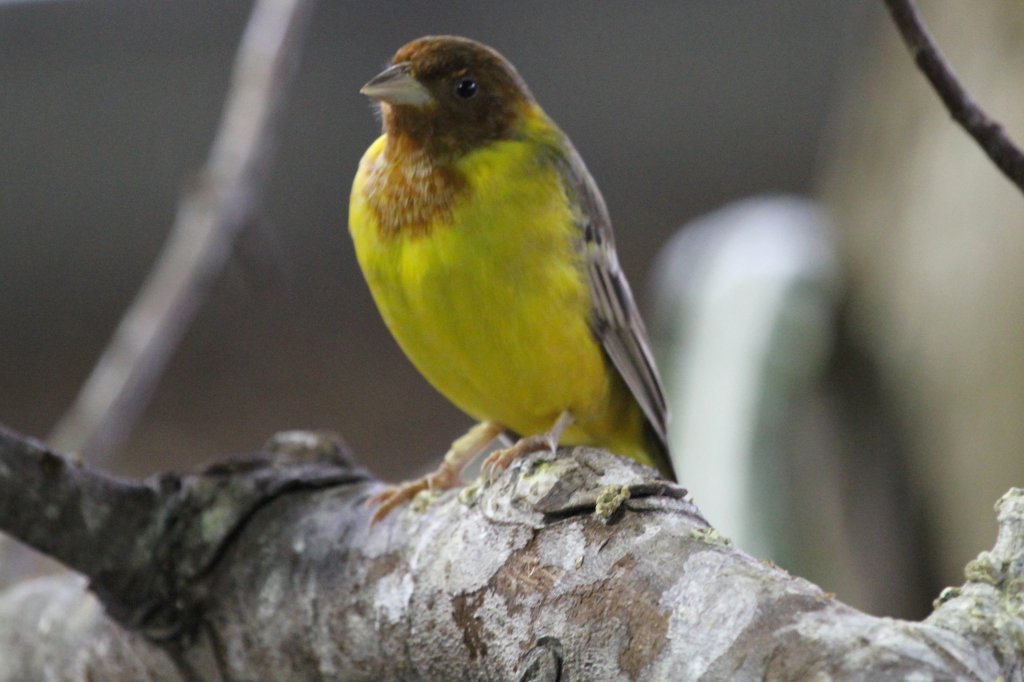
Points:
x=447 y=96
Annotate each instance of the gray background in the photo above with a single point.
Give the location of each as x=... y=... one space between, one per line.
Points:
x=107 y=107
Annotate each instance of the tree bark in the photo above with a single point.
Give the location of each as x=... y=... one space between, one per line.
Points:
x=580 y=566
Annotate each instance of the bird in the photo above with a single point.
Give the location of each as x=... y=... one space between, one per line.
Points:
x=489 y=252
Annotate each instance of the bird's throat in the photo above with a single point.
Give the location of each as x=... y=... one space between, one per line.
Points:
x=409 y=192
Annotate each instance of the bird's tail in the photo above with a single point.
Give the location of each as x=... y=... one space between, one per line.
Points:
x=658 y=452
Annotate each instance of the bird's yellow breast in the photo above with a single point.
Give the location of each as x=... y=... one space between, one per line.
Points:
x=485 y=292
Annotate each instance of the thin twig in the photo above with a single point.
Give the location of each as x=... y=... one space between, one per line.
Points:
x=210 y=217
x=988 y=133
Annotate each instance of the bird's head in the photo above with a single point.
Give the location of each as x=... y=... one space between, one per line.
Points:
x=448 y=95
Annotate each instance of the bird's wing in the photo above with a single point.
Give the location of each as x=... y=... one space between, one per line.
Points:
x=616 y=321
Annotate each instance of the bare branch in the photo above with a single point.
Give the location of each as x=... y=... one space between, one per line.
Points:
x=224 y=200
x=580 y=566
x=989 y=134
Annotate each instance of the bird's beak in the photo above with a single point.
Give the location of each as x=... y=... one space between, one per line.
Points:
x=397 y=85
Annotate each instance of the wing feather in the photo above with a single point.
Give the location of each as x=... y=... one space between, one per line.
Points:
x=616 y=320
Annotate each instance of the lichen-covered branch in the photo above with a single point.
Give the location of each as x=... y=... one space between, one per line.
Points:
x=145 y=545
x=580 y=566
x=68 y=511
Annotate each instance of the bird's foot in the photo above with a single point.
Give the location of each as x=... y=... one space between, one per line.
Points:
x=447 y=476
x=444 y=478
x=499 y=460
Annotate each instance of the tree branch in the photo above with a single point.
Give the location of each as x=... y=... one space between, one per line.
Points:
x=989 y=134
x=580 y=566
x=222 y=202
x=144 y=545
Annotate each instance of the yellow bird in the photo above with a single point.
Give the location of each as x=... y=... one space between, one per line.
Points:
x=489 y=252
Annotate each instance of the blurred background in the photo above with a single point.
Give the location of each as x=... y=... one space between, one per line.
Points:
x=867 y=345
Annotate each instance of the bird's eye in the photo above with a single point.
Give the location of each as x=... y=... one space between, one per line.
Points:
x=466 y=88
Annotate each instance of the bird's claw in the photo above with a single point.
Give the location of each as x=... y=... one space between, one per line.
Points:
x=499 y=460
x=394 y=495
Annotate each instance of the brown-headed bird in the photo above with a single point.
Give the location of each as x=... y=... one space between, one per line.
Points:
x=489 y=252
